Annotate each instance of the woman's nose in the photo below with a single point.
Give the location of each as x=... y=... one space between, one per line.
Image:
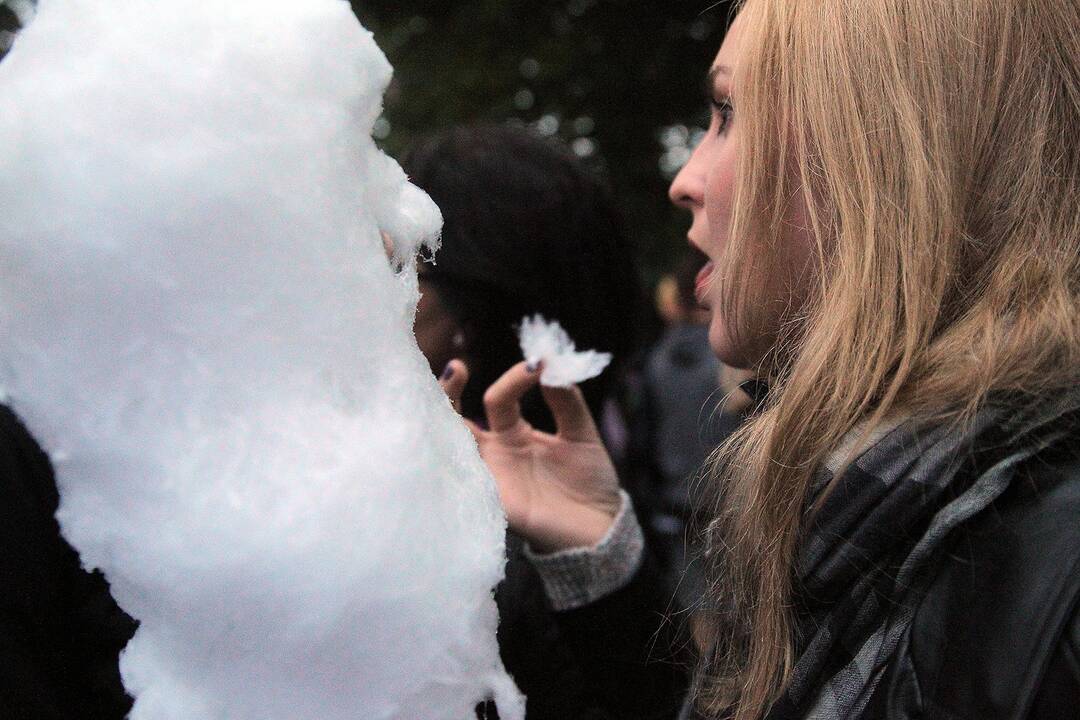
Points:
x=688 y=187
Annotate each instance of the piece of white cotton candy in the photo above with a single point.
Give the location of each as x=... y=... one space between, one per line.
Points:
x=200 y=326
x=563 y=364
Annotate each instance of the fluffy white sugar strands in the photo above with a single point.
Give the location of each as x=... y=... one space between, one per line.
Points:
x=564 y=365
x=201 y=327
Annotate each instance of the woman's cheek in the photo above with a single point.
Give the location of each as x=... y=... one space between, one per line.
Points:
x=720 y=187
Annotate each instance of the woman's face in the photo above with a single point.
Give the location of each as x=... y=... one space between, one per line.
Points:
x=438 y=334
x=706 y=187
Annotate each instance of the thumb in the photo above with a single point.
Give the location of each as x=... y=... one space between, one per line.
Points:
x=573 y=420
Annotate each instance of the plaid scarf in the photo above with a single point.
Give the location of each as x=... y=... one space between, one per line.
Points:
x=873 y=546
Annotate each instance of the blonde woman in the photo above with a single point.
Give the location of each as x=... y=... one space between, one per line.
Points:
x=890 y=196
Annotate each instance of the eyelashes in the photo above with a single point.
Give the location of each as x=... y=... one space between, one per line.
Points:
x=722 y=113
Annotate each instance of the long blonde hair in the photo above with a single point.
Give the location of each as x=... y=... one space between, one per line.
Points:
x=936 y=144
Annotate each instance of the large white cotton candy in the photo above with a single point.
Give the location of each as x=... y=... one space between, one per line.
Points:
x=564 y=364
x=200 y=326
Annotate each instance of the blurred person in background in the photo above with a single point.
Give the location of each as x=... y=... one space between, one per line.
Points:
x=688 y=404
x=529 y=229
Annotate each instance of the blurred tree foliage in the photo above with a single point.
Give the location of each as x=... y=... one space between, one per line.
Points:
x=619 y=80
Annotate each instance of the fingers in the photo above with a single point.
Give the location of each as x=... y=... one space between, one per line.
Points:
x=573 y=420
x=453 y=381
x=502 y=401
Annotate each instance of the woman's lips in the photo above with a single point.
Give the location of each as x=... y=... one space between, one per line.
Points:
x=701 y=284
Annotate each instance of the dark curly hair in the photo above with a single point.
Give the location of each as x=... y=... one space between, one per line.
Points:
x=528 y=228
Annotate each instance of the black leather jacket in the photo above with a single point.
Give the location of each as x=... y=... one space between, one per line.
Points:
x=997 y=635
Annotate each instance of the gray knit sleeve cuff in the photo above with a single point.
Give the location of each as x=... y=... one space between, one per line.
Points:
x=576 y=577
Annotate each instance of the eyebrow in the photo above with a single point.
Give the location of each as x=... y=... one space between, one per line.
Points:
x=710 y=79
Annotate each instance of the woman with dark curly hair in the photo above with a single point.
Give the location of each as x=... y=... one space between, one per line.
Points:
x=527 y=229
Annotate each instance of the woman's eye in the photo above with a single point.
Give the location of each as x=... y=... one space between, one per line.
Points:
x=722 y=112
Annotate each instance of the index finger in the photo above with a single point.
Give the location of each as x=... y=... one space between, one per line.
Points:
x=502 y=401
x=454 y=378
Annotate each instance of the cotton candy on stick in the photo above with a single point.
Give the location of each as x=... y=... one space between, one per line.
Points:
x=564 y=365
x=200 y=326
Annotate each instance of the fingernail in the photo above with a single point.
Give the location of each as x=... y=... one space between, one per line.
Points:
x=532 y=366
x=448 y=372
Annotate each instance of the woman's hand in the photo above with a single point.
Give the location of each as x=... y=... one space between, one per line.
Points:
x=559 y=491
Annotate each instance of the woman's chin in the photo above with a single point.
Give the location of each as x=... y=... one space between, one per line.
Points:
x=729 y=352
x=719 y=340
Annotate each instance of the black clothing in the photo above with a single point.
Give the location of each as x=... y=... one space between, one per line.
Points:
x=941 y=576
x=680 y=405
x=61 y=632
x=1004 y=608
x=615 y=659
x=676 y=424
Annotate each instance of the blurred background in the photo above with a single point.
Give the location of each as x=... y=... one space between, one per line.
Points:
x=620 y=81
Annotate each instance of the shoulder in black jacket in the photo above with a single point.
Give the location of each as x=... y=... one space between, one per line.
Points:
x=997 y=636
x=940 y=577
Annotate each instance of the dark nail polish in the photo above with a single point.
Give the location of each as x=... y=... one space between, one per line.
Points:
x=447 y=373
x=532 y=367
